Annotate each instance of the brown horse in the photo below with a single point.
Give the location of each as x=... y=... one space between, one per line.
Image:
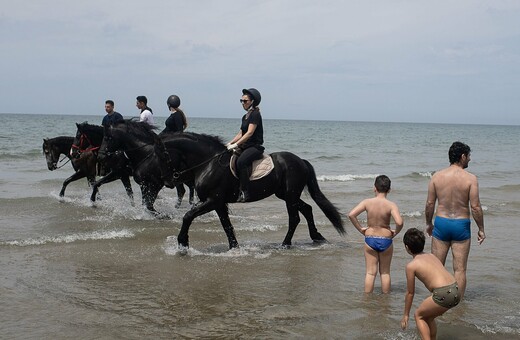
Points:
x=84 y=165
x=86 y=144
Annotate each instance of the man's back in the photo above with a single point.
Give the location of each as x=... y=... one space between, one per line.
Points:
x=453 y=187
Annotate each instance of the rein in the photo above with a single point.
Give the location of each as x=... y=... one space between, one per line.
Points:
x=178 y=174
x=61 y=166
x=81 y=140
x=124 y=153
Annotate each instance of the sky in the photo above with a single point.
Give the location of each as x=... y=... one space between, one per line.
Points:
x=455 y=62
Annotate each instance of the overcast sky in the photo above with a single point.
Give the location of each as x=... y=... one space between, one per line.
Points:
x=392 y=61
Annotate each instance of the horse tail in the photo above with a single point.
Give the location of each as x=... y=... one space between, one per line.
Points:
x=323 y=202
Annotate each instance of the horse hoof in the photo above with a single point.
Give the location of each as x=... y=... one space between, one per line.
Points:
x=183 y=251
x=286 y=246
x=320 y=241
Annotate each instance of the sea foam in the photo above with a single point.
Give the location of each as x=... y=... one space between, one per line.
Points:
x=95 y=235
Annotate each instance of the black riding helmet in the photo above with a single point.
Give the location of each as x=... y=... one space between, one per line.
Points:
x=173 y=101
x=254 y=94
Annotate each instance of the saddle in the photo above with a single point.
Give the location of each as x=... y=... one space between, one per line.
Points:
x=260 y=168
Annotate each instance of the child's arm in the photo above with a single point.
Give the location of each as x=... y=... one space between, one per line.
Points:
x=396 y=215
x=410 y=292
x=353 y=214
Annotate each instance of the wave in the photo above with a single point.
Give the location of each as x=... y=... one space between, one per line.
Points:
x=325 y=158
x=12 y=155
x=510 y=188
x=419 y=174
x=345 y=178
x=259 y=228
x=506 y=325
x=95 y=235
x=412 y=214
x=258 y=250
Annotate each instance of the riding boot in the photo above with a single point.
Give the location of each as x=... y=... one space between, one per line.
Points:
x=243 y=175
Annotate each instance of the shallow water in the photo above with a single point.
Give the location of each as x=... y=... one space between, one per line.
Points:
x=76 y=270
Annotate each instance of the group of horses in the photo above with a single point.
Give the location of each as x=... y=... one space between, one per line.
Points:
x=131 y=148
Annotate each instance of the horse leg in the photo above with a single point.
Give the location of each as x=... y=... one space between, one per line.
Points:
x=306 y=211
x=103 y=180
x=294 y=219
x=192 y=194
x=128 y=187
x=149 y=193
x=180 y=194
x=77 y=175
x=197 y=210
x=223 y=214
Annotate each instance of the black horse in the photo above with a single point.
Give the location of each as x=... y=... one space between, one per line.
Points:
x=86 y=144
x=83 y=166
x=151 y=182
x=205 y=159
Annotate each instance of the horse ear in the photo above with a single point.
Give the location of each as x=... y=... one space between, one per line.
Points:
x=77 y=125
x=45 y=140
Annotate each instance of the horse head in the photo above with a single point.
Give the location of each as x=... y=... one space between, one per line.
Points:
x=52 y=156
x=127 y=137
x=88 y=138
x=53 y=148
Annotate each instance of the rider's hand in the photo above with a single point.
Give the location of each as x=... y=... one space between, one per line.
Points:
x=232 y=146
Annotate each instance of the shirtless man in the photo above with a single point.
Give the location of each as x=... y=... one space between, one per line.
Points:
x=456 y=192
x=430 y=271
x=378 y=246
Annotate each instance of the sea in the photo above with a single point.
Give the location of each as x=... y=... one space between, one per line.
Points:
x=71 y=269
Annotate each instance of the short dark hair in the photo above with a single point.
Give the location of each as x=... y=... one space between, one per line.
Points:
x=111 y=102
x=457 y=149
x=414 y=239
x=142 y=99
x=382 y=183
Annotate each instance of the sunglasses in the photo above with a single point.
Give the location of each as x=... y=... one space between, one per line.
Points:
x=244 y=101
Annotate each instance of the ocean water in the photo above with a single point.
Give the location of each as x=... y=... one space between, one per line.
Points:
x=71 y=269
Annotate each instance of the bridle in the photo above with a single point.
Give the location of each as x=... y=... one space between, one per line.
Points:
x=55 y=163
x=123 y=152
x=83 y=139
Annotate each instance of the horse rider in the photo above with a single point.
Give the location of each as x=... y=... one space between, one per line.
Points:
x=177 y=121
x=249 y=139
x=112 y=116
x=146 y=114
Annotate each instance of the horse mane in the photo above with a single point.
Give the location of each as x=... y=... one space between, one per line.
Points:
x=60 y=140
x=138 y=128
x=210 y=139
x=86 y=127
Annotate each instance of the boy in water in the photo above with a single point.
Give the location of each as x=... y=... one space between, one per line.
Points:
x=429 y=269
x=378 y=247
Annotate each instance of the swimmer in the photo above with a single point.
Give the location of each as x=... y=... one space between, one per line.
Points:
x=430 y=271
x=378 y=246
x=456 y=193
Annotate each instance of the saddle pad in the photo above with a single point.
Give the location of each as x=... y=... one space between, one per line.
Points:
x=261 y=167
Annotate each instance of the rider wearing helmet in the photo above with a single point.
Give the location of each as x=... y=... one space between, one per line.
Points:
x=177 y=121
x=248 y=140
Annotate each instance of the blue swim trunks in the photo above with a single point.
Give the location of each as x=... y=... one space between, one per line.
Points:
x=448 y=229
x=378 y=243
